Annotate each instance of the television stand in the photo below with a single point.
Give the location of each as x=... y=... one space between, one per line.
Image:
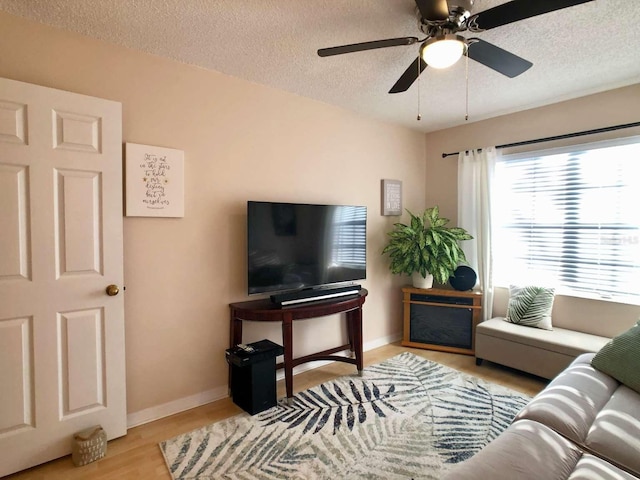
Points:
x=264 y=310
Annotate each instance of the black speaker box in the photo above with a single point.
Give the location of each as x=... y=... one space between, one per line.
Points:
x=253 y=375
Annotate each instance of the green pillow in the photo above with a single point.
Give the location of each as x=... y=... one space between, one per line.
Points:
x=530 y=306
x=620 y=358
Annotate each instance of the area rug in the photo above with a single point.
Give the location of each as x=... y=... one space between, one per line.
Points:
x=405 y=418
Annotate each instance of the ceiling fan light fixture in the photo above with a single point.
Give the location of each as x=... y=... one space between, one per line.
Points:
x=442 y=51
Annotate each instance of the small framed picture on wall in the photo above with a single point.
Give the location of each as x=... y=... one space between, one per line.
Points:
x=391 y=197
x=154 y=181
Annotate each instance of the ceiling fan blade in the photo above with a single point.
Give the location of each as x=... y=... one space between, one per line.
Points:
x=359 y=47
x=433 y=9
x=497 y=59
x=409 y=76
x=516 y=10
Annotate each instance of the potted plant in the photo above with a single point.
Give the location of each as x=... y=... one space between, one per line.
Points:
x=426 y=249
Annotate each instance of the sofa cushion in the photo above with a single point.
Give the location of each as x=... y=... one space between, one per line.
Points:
x=570 y=404
x=567 y=342
x=593 y=468
x=525 y=451
x=592 y=410
x=615 y=433
x=620 y=358
x=530 y=306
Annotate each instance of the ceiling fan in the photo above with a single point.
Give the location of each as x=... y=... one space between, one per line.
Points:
x=442 y=21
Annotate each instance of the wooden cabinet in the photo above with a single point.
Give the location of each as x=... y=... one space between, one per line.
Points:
x=441 y=319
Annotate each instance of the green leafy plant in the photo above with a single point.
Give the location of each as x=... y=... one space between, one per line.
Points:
x=426 y=245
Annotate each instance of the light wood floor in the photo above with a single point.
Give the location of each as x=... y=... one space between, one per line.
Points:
x=137 y=455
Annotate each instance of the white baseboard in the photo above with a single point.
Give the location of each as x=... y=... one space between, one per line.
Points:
x=157 y=412
x=176 y=406
x=381 y=342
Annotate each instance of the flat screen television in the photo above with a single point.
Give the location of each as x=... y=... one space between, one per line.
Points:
x=293 y=246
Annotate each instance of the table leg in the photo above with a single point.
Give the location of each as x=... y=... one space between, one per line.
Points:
x=235 y=337
x=350 y=335
x=287 y=341
x=355 y=319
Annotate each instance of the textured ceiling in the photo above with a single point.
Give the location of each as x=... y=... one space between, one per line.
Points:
x=576 y=51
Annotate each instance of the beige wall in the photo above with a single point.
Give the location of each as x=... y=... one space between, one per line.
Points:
x=241 y=141
x=615 y=107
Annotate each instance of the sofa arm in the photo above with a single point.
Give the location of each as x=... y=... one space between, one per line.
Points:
x=525 y=451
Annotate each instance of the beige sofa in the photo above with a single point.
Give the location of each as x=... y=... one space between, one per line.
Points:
x=579 y=326
x=583 y=426
x=541 y=352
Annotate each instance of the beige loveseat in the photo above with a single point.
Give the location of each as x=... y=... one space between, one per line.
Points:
x=584 y=425
x=541 y=352
x=578 y=327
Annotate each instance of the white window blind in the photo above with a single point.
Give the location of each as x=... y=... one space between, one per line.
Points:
x=570 y=220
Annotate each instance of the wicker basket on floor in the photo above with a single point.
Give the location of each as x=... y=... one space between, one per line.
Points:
x=89 y=445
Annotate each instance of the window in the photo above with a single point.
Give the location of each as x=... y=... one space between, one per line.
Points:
x=570 y=219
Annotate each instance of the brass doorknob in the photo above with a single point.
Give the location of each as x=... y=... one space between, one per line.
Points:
x=112 y=290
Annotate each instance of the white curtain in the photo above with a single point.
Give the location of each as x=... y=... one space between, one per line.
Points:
x=475 y=174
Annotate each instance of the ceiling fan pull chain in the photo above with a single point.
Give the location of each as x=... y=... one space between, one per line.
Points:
x=419 y=117
x=466 y=114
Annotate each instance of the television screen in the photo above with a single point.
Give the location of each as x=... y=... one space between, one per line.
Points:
x=295 y=246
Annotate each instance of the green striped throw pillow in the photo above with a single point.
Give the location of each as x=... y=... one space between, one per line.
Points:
x=530 y=306
x=620 y=358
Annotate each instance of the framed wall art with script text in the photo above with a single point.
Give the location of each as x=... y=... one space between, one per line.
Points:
x=154 y=181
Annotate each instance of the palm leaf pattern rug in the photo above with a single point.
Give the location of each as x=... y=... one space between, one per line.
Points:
x=405 y=418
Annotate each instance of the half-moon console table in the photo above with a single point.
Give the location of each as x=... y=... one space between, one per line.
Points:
x=266 y=311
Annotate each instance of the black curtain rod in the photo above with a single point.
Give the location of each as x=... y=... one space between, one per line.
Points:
x=559 y=137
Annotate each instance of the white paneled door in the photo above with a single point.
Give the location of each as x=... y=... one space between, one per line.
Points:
x=61 y=334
